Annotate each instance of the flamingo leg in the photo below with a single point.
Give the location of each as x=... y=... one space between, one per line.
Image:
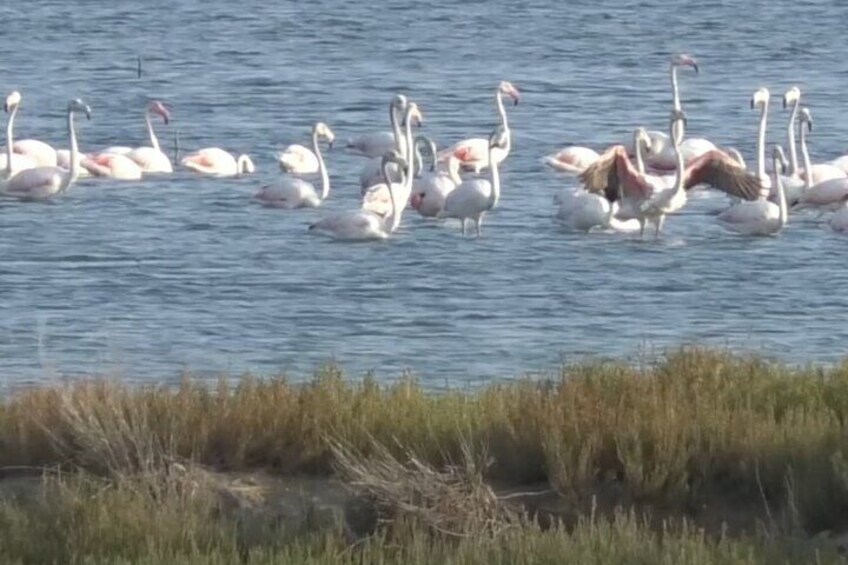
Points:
x=463 y=226
x=660 y=222
x=479 y=223
x=642 y=228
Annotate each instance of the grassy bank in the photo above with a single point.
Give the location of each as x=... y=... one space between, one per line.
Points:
x=701 y=457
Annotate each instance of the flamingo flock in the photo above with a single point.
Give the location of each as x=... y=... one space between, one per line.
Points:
x=631 y=187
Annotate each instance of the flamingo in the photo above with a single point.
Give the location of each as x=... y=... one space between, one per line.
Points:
x=573 y=159
x=663 y=156
x=582 y=210
x=112 y=165
x=34 y=153
x=217 y=162
x=375 y=145
x=821 y=172
x=474 y=197
x=42 y=183
x=152 y=159
x=12 y=163
x=760 y=216
x=299 y=160
x=825 y=195
x=361 y=224
x=293 y=192
x=378 y=198
x=760 y=100
x=473 y=154
x=371 y=173
x=646 y=197
x=430 y=190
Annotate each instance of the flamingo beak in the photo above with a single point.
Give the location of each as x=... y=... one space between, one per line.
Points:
x=809 y=125
x=87 y=112
x=695 y=66
x=752 y=103
x=6 y=107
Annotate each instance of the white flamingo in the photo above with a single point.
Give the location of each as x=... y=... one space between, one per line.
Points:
x=300 y=160
x=572 y=159
x=293 y=192
x=152 y=159
x=431 y=188
x=215 y=161
x=375 y=145
x=372 y=171
x=473 y=154
x=42 y=183
x=759 y=217
x=821 y=172
x=11 y=162
x=825 y=195
x=42 y=154
x=663 y=156
x=378 y=198
x=474 y=197
x=357 y=225
x=760 y=100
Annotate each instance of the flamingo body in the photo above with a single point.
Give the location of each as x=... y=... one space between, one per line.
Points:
x=217 y=162
x=573 y=159
x=43 y=154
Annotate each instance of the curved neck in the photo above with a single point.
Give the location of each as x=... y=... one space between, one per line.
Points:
x=395 y=125
x=501 y=110
x=495 y=179
x=322 y=168
x=808 y=167
x=640 y=161
x=793 y=153
x=781 y=195
x=675 y=99
x=761 y=143
x=74 y=170
x=154 y=141
x=410 y=158
x=393 y=220
x=10 y=125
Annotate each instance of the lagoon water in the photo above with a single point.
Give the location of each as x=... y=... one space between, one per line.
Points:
x=143 y=280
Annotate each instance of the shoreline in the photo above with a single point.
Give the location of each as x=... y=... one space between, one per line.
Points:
x=711 y=450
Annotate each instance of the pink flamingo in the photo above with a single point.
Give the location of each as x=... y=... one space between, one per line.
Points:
x=473 y=154
x=152 y=159
x=217 y=162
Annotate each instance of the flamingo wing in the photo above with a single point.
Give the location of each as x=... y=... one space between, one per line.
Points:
x=718 y=170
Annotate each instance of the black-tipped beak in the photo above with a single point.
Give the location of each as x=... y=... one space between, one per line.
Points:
x=752 y=103
x=6 y=108
x=697 y=72
x=330 y=145
x=785 y=104
x=87 y=113
x=809 y=126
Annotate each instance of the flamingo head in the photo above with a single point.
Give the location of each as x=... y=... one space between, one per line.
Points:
x=77 y=105
x=508 y=89
x=499 y=138
x=400 y=102
x=792 y=96
x=156 y=107
x=641 y=136
x=684 y=60
x=323 y=130
x=413 y=112
x=12 y=101
x=806 y=118
x=760 y=99
x=677 y=116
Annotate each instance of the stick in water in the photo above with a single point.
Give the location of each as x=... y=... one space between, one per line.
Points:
x=139 y=66
x=177 y=146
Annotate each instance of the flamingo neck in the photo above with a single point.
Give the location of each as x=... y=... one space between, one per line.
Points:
x=74 y=166
x=640 y=161
x=453 y=171
x=418 y=164
x=410 y=159
x=781 y=194
x=496 y=181
x=393 y=220
x=10 y=125
x=434 y=159
x=501 y=110
x=761 y=143
x=808 y=168
x=322 y=168
x=675 y=98
x=154 y=141
x=395 y=125
x=793 y=153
